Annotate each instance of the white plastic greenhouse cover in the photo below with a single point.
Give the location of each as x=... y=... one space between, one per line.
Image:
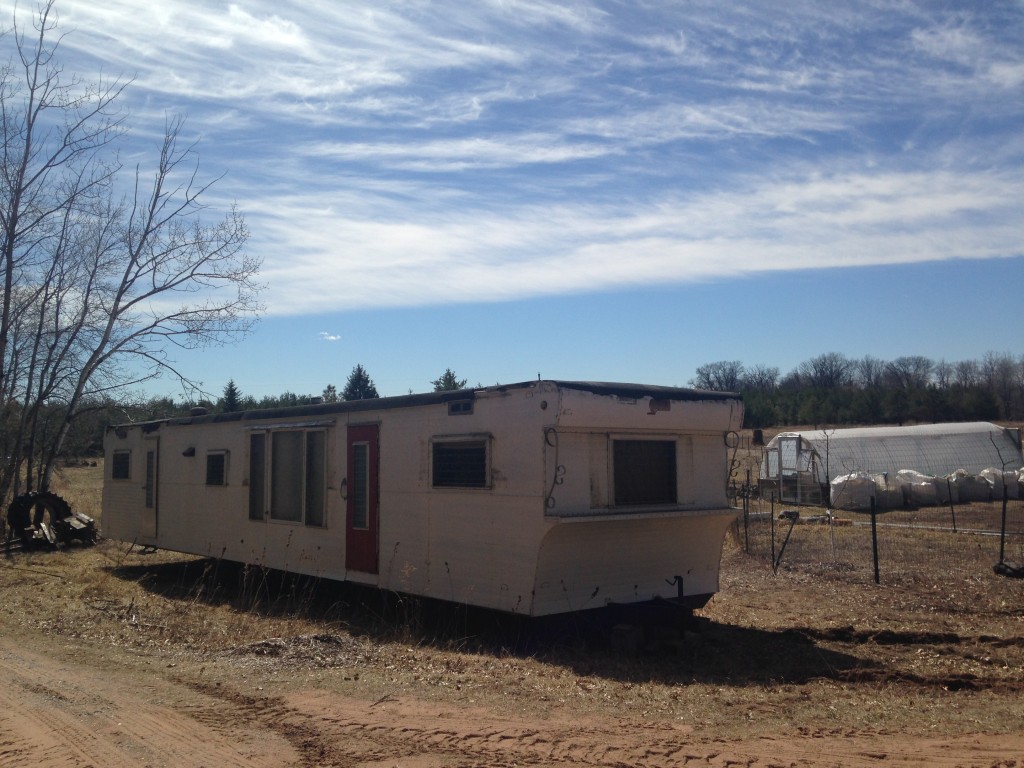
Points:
x=931 y=449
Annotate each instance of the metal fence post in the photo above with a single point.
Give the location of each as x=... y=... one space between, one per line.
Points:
x=874 y=539
x=952 y=510
x=746 y=515
x=1002 y=527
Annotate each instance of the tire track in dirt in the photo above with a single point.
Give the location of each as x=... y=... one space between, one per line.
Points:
x=64 y=705
x=327 y=730
x=57 y=712
x=332 y=730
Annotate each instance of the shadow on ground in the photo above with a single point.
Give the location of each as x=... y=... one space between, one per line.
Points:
x=629 y=644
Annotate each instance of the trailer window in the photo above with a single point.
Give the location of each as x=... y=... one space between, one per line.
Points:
x=316 y=477
x=286 y=476
x=216 y=468
x=293 y=477
x=257 y=475
x=360 y=491
x=460 y=464
x=121 y=465
x=644 y=472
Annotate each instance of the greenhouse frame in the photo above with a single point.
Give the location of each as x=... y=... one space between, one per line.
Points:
x=800 y=466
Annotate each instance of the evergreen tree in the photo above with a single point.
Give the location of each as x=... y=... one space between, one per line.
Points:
x=330 y=394
x=359 y=385
x=448 y=382
x=231 y=400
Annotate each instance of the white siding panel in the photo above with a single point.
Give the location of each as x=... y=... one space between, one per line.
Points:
x=568 y=472
x=484 y=550
x=710 y=471
x=591 y=563
x=685 y=472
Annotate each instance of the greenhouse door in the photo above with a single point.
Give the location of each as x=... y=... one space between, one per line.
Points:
x=789 y=479
x=363 y=499
x=798 y=472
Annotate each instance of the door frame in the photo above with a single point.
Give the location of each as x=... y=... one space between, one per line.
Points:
x=362 y=498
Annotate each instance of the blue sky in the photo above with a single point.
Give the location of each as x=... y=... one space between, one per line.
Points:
x=593 y=190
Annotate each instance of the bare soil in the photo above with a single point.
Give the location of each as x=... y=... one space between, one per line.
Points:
x=111 y=656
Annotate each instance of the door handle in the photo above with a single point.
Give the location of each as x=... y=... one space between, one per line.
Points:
x=344 y=489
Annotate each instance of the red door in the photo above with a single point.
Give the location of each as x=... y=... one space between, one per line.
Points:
x=362 y=513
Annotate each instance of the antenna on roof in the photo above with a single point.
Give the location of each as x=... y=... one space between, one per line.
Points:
x=538 y=375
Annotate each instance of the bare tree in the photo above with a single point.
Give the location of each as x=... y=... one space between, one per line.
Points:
x=99 y=287
x=722 y=376
x=827 y=371
x=761 y=378
x=999 y=373
x=943 y=374
x=869 y=371
x=910 y=372
x=966 y=373
x=1017 y=407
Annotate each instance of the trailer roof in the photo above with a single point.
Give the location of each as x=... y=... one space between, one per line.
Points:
x=613 y=389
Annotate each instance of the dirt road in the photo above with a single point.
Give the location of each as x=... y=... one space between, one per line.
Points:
x=67 y=704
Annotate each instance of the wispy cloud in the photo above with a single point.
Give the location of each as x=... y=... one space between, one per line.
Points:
x=393 y=154
x=855 y=219
x=325 y=336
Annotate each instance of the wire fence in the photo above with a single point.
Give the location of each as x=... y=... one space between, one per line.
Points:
x=889 y=547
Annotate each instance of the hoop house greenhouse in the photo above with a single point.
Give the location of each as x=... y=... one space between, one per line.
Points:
x=810 y=467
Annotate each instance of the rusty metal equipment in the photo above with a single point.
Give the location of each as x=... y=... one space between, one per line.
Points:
x=46 y=521
x=787 y=514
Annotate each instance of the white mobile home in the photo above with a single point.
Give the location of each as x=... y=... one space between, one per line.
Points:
x=535 y=498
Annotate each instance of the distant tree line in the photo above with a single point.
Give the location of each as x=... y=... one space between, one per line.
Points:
x=834 y=389
x=358 y=386
x=86 y=436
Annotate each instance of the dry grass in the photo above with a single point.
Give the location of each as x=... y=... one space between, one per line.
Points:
x=799 y=651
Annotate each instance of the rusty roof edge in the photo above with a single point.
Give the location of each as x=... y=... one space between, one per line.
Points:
x=614 y=389
x=646 y=390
